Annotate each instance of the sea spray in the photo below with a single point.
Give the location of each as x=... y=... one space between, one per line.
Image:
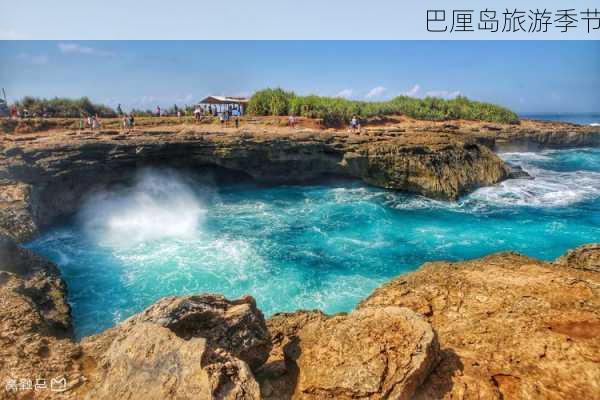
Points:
x=160 y=204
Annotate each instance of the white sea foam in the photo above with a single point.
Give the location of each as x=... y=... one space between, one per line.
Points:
x=595 y=124
x=525 y=156
x=548 y=189
x=159 y=205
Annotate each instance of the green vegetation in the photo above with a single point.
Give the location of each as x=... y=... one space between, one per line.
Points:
x=63 y=107
x=334 y=111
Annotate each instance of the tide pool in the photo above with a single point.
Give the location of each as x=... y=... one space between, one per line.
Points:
x=323 y=246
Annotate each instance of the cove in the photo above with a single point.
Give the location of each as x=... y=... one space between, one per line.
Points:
x=324 y=246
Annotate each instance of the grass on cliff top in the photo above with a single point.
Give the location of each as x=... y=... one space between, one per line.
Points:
x=336 y=111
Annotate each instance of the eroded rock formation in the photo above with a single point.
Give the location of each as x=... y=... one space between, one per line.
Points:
x=510 y=327
x=44 y=176
x=36 y=344
x=188 y=347
x=382 y=353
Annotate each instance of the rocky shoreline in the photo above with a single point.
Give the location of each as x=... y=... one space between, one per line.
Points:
x=504 y=326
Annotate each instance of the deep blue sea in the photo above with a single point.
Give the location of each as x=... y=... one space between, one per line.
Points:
x=576 y=118
x=325 y=246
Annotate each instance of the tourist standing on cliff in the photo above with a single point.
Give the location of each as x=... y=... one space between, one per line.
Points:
x=95 y=122
x=131 y=121
x=158 y=111
x=125 y=122
x=292 y=121
x=81 y=124
x=13 y=112
x=354 y=124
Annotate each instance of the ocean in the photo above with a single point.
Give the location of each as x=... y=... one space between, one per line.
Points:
x=575 y=118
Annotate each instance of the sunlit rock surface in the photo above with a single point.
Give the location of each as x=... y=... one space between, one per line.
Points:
x=510 y=327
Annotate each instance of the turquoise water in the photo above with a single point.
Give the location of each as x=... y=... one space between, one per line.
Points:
x=323 y=246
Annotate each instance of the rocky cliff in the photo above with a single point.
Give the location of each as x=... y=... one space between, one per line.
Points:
x=501 y=327
x=45 y=171
x=45 y=175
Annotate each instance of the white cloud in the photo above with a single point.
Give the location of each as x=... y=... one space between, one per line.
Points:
x=33 y=59
x=375 y=92
x=412 y=92
x=346 y=93
x=74 y=48
x=445 y=94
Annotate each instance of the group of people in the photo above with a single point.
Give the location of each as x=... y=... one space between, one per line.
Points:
x=15 y=113
x=227 y=115
x=128 y=121
x=91 y=122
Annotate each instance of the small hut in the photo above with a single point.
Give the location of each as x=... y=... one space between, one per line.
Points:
x=218 y=104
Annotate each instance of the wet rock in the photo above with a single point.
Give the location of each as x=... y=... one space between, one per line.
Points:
x=517 y=172
x=510 y=327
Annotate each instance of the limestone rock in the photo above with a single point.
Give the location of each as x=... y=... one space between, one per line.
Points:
x=235 y=325
x=38 y=280
x=148 y=361
x=509 y=327
x=181 y=347
x=585 y=257
x=35 y=327
x=369 y=354
x=278 y=376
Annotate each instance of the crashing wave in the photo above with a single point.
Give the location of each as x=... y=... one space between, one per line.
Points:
x=548 y=189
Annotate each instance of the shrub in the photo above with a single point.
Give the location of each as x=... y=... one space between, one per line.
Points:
x=334 y=111
x=270 y=102
x=63 y=107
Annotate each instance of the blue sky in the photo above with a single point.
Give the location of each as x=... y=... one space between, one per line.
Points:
x=256 y=19
x=527 y=76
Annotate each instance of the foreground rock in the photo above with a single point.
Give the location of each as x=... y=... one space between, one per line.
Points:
x=188 y=347
x=368 y=354
x=509 y=327
x=36 y=347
